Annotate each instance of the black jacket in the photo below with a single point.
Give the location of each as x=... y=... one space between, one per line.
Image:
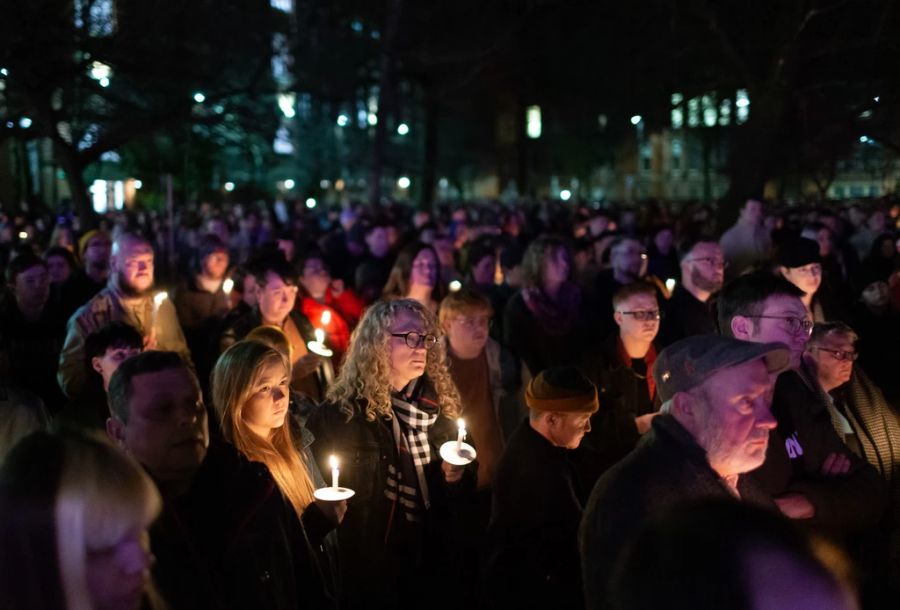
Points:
x=797 y=449
x=233 y=542
x=667 y=468
x=533 y=536
x=685 y=316
x=385 y=560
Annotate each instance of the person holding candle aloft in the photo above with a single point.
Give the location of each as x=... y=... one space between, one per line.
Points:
x=538 y=497
x=128 y=297
x=250 y=388
x=390 y=409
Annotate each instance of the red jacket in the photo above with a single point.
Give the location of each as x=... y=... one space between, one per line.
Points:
x=346 y=310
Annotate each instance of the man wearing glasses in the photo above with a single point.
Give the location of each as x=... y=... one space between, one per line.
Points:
x=688 y=312
x=808 y=471
x=620 y=369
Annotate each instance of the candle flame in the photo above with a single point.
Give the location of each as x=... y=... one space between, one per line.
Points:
x=228 y=285
x=320 y=335
x=326 y=317
x=333 y=462
x=160 y=297
x=461 y=423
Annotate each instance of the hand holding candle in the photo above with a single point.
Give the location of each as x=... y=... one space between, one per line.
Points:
x=458 y=453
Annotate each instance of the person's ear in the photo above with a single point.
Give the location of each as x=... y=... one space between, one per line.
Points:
x=742 y=328
x=684 y=409
x=116 y=431
x=96 y=364
x=618 y=317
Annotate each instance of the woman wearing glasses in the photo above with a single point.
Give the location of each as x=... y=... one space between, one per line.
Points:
x=387 y=414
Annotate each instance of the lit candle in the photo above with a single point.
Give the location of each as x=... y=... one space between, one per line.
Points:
x=333 y=462
x=320 y=336
x=326 y=317
x=670 y=284
x=158 y=299
x=461 y=424
x=455 y=286
x=228 y=286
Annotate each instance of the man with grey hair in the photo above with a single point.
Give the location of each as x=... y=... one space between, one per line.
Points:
x=714 y=427
x=128 y=297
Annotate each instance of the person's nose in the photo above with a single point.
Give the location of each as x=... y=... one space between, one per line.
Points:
x=278 y=394
x=764 y=417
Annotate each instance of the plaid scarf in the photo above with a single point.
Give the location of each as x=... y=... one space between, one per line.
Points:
x=414 y=414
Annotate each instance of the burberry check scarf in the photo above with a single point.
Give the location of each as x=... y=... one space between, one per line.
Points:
x=414 y=414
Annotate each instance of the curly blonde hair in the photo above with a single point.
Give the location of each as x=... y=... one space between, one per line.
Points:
x=366 y=372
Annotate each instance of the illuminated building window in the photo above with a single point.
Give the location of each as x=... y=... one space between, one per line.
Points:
x=283 y=5
x=709 y=110
x=281 y=56
x=677 y=118
x=533 y=122
x=282 y=144
x=742 y=103
x=694 y=112
x=677 y=153
x=725 y=112
x=97 y=16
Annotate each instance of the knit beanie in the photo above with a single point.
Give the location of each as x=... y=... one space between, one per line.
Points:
x=562 y=389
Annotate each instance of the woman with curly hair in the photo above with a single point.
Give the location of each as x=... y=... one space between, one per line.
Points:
x=543 y=323
x=416 y=275
x=391 y=408
x=250 y=389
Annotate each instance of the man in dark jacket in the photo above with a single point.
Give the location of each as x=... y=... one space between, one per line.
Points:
x=688 y=311
x=533 y=556
x=621 y=371
x=808 y=471
x=715 y=428
x=225 y=538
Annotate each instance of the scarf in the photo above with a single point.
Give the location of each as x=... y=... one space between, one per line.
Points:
x=649 y=358
x=556 y=317
x=414 y=413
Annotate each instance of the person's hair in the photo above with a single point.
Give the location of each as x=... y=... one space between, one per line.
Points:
x=208 y=244
x=121 y=384
x=629 y=290
x=821 y=330
x=21 y=264
x=23 y=413
x=310 y=255
x=686 y=245
x=276 y=264
x=746 y=296
x=116 y=335
x=462 y=302
x=273 y=337
x=397 y=285
x=64 y=495
x=234 y=381
x=126 y=237
x=365 y=374
x=63 y=253
x=536 y=255
x=703 y=554
x=477 y=250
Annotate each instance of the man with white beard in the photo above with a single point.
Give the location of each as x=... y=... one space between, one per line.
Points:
x=128 y=297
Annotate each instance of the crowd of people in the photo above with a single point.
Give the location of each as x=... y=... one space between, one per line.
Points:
x=664 y=413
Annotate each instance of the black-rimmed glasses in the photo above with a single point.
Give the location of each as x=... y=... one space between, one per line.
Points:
x=416 y=340
x=840 y=354
x=794 y=325
x=644 y=315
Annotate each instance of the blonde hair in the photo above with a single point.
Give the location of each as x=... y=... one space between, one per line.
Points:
x=274 y=337
x=103 y=495
x=234 y=380
x=366 y=371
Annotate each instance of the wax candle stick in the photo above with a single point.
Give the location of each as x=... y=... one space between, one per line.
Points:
x=461 y=425
x=228 y=286
x=335 y=472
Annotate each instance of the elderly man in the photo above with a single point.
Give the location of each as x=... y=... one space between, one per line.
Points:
x=714 y=428
x=533 y=557
x=688 y=312
x=128 y=297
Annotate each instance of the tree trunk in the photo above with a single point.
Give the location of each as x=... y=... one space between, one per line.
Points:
x=71 y=164
x=385 y=99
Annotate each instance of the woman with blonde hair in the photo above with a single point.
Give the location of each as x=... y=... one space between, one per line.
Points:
x=390 y=409
x=74 y=513
x=250 y=390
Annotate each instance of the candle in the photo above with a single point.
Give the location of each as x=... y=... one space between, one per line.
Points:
x=320 y=336
x=326 y=317
x=158 y=299
x=333 y=462
x=228 y=286
x=461 y=424
x=670 y=284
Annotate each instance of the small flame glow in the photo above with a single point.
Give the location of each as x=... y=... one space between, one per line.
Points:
x=461 y=424
x=326 y=317
x=228 y=285
x=333 y=462
x=160 y=297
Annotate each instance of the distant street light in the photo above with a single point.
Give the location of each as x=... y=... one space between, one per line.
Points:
x=229 y=186
x=25 y=122
x=343 y=120
x=565 y=194
x=403 y=182
x=138 y=184
x=636 y=119
x=289 y=184
x=402 y=129
x=199 y=98
x=310 y=203
x=372 y=119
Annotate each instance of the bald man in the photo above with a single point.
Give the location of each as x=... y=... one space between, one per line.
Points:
x=128 y=297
